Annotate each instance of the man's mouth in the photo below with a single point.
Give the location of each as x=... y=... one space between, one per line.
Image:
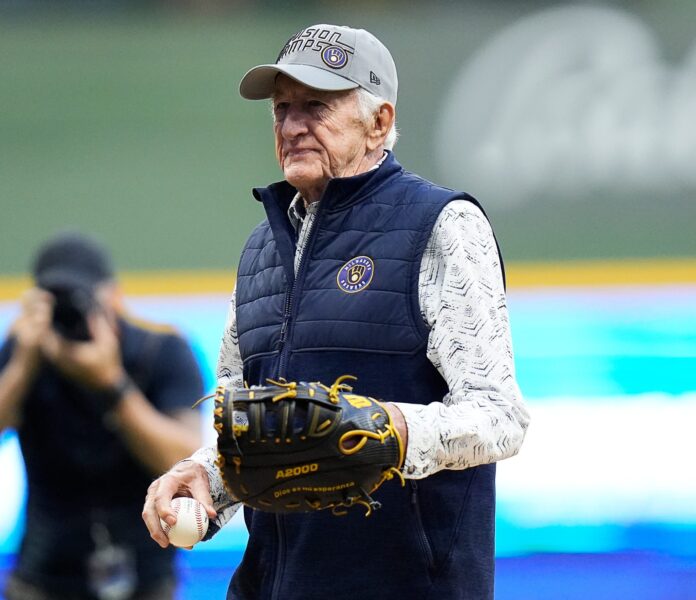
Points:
x=298 y=152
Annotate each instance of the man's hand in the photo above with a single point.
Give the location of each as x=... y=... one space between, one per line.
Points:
x=31 y=328
x=28 y=332
x=95 y=363
x=186 y=478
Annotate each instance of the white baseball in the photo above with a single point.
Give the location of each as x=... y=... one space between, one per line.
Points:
x=191 y=523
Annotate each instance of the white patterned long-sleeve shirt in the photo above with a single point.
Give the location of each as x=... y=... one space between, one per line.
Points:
x=482 y=419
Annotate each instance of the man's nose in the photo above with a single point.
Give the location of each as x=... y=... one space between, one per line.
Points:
x=294 y=124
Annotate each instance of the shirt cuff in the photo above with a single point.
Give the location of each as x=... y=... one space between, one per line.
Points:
x=422 y=441
x=222 y=503
x=206 y=457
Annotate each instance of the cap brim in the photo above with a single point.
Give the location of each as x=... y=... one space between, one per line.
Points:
x=259 y=82
x=64 y=279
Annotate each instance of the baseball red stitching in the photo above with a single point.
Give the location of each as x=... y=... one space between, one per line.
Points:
x=167 y=526
x=199 y=521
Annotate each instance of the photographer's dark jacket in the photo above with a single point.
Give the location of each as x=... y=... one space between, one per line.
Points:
x=435 y=537
x=80 y=473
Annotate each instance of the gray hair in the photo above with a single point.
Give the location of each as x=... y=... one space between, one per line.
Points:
x=368 y=105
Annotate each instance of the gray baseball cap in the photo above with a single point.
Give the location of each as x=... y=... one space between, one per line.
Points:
x=331 y=58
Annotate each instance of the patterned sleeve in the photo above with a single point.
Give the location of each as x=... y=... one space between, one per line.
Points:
x=229 y=366
x=483 y=418
x=229 y=370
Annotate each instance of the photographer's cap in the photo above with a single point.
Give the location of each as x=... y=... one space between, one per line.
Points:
x=72 y=259
x=330 y=58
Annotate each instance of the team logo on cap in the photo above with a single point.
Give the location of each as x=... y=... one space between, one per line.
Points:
x=356 y=274
x=334 y=57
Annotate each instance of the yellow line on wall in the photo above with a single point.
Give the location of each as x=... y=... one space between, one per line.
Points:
x=145 y=283
x=177 y=282
x=519 y=275
x=602 y=273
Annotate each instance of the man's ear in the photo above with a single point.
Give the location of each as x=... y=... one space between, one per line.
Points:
x=110 y=296
x=381 y=125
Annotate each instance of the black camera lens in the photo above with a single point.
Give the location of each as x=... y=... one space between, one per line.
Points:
x=70 y=311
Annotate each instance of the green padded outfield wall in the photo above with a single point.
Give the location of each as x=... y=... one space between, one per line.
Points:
x=129 y=125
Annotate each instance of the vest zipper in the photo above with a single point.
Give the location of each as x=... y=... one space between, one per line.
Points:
x=289 y=307
x=282 y=365
x=420 y=528
x=285 y=326
x=286 y=316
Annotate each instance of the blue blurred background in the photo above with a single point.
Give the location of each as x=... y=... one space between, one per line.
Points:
x=574 y=123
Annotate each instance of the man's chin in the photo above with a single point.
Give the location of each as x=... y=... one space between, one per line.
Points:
x=301 y=177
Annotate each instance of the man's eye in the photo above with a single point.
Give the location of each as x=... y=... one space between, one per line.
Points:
x=281 y=106
x=316 y=103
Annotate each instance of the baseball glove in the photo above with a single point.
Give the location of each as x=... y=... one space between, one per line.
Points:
x=300 y=447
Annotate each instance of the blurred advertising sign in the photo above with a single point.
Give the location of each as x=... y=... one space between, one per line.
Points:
x=568 y=102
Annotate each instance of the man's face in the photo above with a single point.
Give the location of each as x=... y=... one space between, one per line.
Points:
x=319 y=135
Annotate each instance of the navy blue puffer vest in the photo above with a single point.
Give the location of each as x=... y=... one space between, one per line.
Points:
x=433 y=538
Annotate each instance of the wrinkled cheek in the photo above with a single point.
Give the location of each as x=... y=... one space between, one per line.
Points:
x=278 y=147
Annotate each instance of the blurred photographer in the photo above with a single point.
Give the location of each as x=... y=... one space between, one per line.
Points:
x=101 y=405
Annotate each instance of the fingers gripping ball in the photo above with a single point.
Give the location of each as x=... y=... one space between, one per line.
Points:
x=300 y=447
x=191 y=523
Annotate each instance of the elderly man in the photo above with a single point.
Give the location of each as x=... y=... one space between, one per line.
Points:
x=422 y=324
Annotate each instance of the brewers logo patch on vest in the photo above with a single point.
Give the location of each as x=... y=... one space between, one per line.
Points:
x=356 y=274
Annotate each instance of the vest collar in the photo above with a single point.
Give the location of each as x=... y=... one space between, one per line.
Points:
x=340 y=192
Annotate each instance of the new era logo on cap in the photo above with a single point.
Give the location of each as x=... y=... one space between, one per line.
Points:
x=328 y=57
